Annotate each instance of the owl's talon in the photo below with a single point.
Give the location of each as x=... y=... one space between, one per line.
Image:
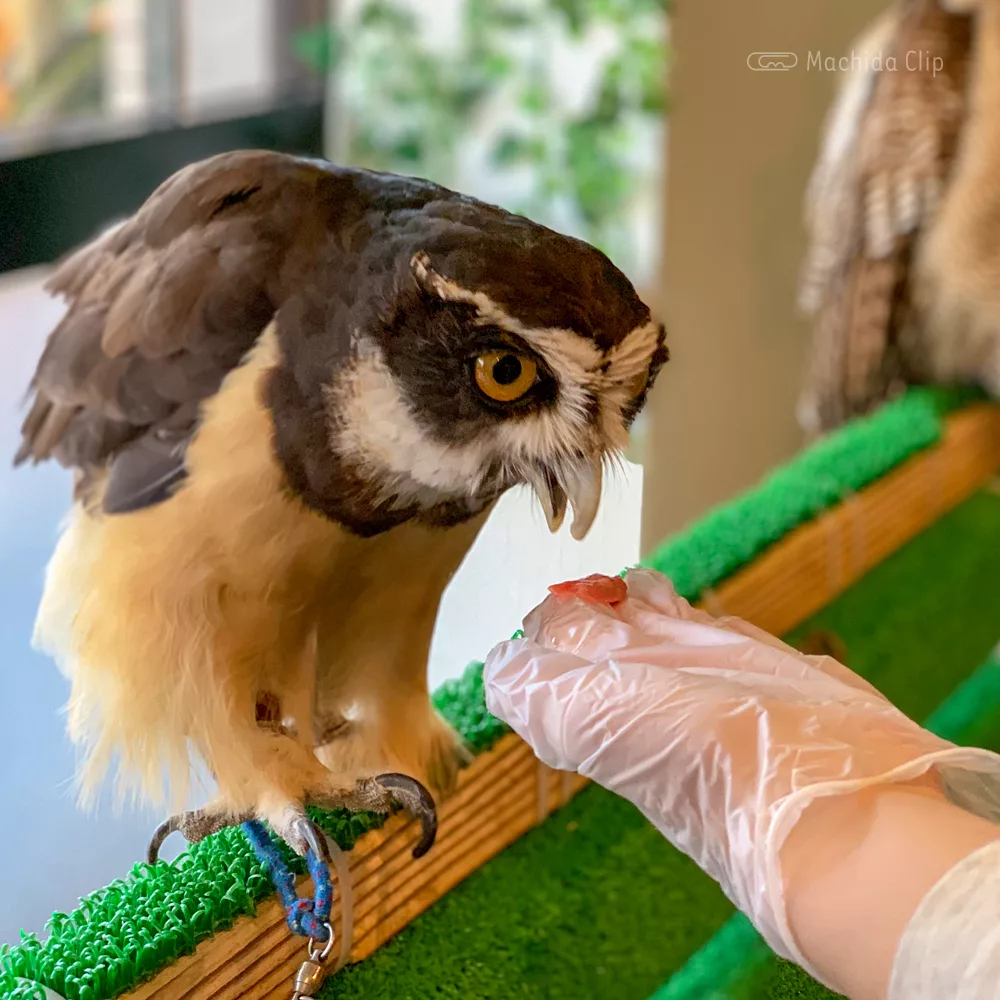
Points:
x=160 y=834
x=298 y=831
x=305 y=835
x=411 y=795
x=194 y=825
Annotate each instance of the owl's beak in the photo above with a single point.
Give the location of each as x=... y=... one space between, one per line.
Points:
x=578 y=484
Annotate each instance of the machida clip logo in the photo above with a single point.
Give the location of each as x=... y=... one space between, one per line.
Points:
x=772 y=62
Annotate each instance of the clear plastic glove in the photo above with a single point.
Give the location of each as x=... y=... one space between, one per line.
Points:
x=720 y=733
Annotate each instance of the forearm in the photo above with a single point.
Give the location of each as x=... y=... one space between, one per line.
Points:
x=857 y=867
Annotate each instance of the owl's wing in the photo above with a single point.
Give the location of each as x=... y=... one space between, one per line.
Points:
x=160 y=309
x=888 y=145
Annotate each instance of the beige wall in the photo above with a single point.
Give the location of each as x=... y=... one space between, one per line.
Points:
x=740 y=149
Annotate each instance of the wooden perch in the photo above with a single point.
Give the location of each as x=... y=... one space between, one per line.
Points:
x=506 y=791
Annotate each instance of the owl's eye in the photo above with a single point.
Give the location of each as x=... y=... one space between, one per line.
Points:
x=505 y=376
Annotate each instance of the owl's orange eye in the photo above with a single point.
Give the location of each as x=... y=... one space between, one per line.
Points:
x=504 y=375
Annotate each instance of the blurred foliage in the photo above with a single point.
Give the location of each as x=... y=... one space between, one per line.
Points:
x=413 y=101
x=51 y=59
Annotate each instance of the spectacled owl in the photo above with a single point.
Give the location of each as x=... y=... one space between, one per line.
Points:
x=290 y=394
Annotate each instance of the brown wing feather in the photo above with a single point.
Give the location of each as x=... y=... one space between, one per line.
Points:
x=160 y=309
x=888 y=149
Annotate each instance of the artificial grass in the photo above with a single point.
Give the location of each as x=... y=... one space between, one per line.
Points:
x=915 y=646
x=730 y=536
x=126 y=933
x=574 y=910
x=595 y=905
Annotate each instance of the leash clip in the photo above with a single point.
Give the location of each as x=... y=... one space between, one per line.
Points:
x=311 y=974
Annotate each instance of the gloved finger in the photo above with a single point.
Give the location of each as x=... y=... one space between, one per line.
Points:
x=598 y=634
x=649 y=590
x=595 y=631
x=656 y=592
x=608 y=719
x=517 y=678
x=652 y=611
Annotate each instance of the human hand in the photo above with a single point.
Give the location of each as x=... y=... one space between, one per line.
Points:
x=720 y=733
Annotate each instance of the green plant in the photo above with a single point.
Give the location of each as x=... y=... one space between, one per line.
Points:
x=423 y=96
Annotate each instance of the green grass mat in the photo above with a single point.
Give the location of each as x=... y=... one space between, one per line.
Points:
x=137 y=926
x=594 y=905
x=130 y=930
x=732 y=535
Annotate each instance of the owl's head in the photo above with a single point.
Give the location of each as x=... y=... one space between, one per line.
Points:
x=485 y=356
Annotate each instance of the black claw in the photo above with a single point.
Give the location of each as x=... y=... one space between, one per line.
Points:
x=167 y=827
x=314 y=839
x=417 y=801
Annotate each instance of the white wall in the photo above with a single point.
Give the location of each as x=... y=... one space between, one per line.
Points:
x=227 y=51
x=126 y=91
x=742 y=145
x=515 y=558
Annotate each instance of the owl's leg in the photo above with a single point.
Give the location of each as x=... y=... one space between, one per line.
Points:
x=289 y=821
x=381 y=718
x=262 y=755
x=374 y=631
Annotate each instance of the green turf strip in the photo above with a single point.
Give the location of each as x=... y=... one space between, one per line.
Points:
x=608 y=910
x=732 y=535
x=132 y=929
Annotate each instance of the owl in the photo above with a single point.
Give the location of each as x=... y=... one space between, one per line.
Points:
x=902 y=273
x=290 y=395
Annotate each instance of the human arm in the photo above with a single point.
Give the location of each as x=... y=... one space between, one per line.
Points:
x=858 y=867
x=783 y=776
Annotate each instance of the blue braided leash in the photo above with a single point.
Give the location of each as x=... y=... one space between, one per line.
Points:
x=306 y=917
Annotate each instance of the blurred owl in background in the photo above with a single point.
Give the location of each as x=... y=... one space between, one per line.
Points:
x=902 y=273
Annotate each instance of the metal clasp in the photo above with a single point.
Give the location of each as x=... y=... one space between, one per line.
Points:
x=311 y=974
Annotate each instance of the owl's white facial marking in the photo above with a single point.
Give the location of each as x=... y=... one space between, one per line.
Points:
x=374 y=427
x=558 y=449
x=584 y=371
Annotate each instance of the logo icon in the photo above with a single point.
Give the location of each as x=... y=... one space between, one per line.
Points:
x=772 y=62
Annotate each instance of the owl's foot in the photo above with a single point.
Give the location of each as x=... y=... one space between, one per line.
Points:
x=291 y=824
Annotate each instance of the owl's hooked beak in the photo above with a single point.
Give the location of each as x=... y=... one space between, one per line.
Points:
x=579 y=484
